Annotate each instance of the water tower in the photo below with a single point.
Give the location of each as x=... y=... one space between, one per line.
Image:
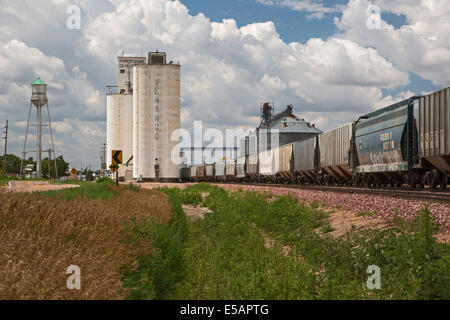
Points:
x=39 y=100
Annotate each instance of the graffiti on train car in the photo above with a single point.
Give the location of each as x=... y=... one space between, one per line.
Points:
x=381 y=147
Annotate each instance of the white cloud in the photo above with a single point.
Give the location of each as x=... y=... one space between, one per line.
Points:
x=62 y=126
x=315 y=15
x=316 y=9
x=273 y=83
x=233 y=67
x=71 y=95
x=421 y=46
x=18 y=61
x=389 y=99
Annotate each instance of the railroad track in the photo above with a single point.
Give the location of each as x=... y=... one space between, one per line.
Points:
x=403 y=193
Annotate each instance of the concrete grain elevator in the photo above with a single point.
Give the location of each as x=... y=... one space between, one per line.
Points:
x=142 y=115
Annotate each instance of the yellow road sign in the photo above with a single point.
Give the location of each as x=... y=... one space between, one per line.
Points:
x=116 y=156
x=73 y=171
x=114 y=167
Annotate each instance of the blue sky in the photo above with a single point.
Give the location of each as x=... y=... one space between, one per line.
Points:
x=295 y=26
x=291 y=25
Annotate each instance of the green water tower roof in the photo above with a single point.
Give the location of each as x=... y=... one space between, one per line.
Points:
x=39 y=81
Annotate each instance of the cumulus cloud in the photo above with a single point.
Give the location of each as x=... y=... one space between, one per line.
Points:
x=71 y=95
x=237 y=68
x=227 y=71
x=421 y=46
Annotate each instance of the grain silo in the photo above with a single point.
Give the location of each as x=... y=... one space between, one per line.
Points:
x=119 y=128
x=119 y=119
x=156 y=114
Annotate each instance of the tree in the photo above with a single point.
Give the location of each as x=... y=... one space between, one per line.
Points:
x=61 y=165
x=13 y=163
x=88 y=173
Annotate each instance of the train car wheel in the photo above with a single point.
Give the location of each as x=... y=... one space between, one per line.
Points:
x=434 y=179
x=443 y=181
x=412 y=181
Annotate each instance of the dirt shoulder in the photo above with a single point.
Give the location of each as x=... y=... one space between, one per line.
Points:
x=343 y=221
x=31 y=186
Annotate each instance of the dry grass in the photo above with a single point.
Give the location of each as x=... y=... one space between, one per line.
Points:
x=40 y=237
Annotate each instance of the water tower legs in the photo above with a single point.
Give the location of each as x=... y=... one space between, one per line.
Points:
x=39 y=141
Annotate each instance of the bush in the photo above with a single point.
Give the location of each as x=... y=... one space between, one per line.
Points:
x=153 y=275
x=105 y=180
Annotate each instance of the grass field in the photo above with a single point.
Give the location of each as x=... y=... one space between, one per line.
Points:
x=87 y=190
x=138 y=244
x=251 y=248
x=41 y=234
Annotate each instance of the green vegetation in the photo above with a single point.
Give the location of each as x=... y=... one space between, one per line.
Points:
x=154 y=274
x=87 y=190
x=133 y=187
x=14 y=162
x=5 y=179
x=250 y=248
x=105 y=180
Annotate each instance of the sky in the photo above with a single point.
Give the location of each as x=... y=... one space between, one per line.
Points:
x=333 y=60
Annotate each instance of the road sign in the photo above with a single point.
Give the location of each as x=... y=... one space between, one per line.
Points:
x=73 y=171
x=114 y=167
x=116 y=156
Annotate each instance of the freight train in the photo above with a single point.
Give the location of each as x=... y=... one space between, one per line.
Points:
x=404 y=143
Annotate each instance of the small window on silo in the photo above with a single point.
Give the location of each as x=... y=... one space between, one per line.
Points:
x=157 y=59
x=122 y=70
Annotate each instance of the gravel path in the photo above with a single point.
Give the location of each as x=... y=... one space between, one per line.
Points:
x=31 y=186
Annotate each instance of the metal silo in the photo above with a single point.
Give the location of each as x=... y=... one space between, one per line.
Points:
x=156 y=114
x=120 y=130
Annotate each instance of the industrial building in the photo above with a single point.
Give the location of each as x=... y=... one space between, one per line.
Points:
x=142 y=114
x=287 y=126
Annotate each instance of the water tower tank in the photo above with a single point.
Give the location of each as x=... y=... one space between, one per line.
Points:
x=39 y=93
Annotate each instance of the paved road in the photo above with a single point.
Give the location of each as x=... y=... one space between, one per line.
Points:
x=31 y=186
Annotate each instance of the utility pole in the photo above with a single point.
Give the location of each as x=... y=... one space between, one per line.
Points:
x=103 y=157
x=6 y=145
